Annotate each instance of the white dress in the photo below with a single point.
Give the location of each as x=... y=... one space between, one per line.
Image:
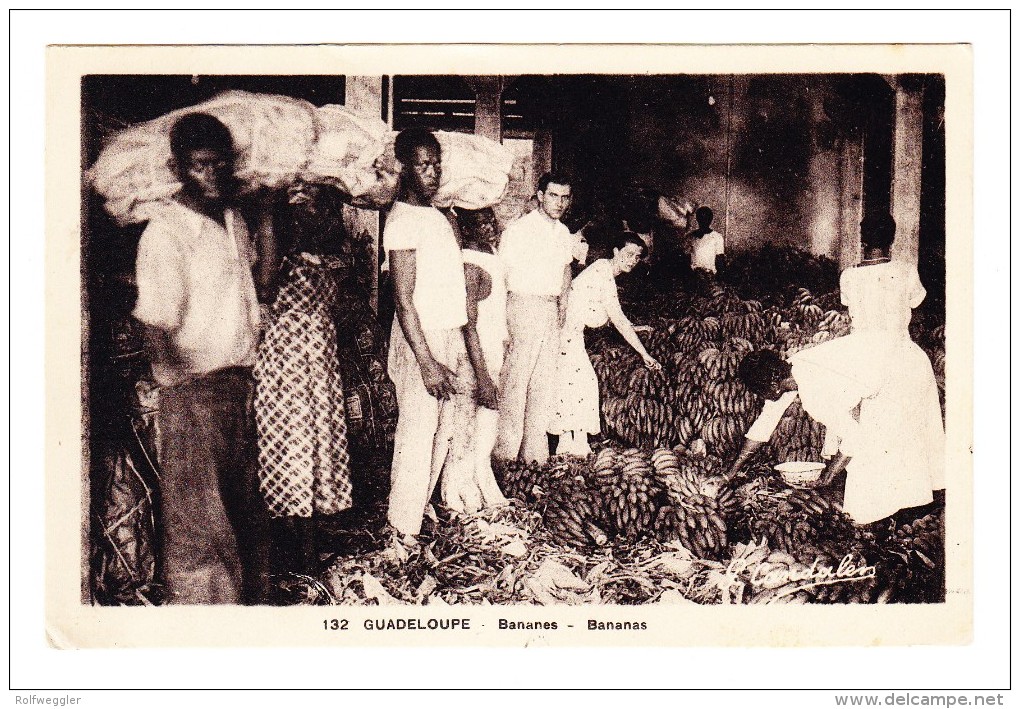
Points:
x=592 y=297
x=468 y=483
x=901 y=458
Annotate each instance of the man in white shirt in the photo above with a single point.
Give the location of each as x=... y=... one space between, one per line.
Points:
x=196 y=298
x=707 y=246
x=536 y=251
x=426 y=341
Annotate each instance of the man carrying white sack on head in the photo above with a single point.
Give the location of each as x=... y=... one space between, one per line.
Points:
x=426 y=340
x=536 y=251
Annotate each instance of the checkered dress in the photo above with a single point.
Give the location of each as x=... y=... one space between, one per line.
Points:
x=304 y=465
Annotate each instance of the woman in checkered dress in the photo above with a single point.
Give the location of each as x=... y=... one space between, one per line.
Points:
x=304 y=465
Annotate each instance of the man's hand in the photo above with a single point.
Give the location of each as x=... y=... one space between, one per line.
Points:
x=439 y=381
x=485 y=393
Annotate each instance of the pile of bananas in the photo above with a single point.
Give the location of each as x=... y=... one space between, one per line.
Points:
x=766 y=273
x=698 y=394
x=803 y=523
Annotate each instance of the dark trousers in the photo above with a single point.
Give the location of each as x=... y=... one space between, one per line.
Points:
x=214 y=520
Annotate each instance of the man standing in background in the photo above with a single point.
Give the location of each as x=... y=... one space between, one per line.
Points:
x=708 y=248
x=536 y=251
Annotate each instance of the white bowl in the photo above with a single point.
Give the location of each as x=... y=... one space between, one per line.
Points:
x=800 y=472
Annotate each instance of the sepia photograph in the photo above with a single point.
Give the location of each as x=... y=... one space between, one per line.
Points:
x=582 y=350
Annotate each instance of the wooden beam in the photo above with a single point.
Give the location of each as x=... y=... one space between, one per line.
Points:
x=488 y=105
x=364 y=96
x=851 y=178
x=906 y=169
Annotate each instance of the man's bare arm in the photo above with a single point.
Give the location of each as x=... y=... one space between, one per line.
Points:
x=439 y=380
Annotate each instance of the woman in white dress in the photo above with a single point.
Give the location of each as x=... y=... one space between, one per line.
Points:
x=593 y=302
x=893 y=447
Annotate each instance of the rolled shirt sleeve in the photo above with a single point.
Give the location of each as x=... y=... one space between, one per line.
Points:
x=160 y=273
x=771 y=414
x=401 y=235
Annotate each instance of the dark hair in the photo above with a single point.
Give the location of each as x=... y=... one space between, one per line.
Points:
x=556 y=178
x=621 y=238
x=878 y=230
x=411 y=139
x=317 y=228
x=704 y=216
x=200 y=131
x=468 y=218
x=761 y=369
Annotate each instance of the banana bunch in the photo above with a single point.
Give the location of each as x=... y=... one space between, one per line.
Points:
x=728 y=502
x=630 y=492
x=835 y=322
x=775 y=580
x=732 y=398
x=685 y=474
x=570 y=516
x=680 y=481
x=696 y=523
x=924 y=538
x=723 y=300
x=724 y=434
x=805 y=310
x=518 y=479
x=798 y=436
x=641 y=420
x=750 y=326
x=718 y=364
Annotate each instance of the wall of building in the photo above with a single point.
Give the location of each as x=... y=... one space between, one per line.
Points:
x=778 y=158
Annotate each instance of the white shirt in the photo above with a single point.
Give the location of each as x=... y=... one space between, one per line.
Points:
x=705 y=249
x=534 y=250
x=439 y=291
x=195 y=282
x=594 y=299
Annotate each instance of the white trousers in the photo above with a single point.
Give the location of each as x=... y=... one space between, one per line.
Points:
x=528 y=380
x=424 y=426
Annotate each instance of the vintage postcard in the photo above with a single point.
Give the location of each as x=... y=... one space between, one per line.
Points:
x=509 y=345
